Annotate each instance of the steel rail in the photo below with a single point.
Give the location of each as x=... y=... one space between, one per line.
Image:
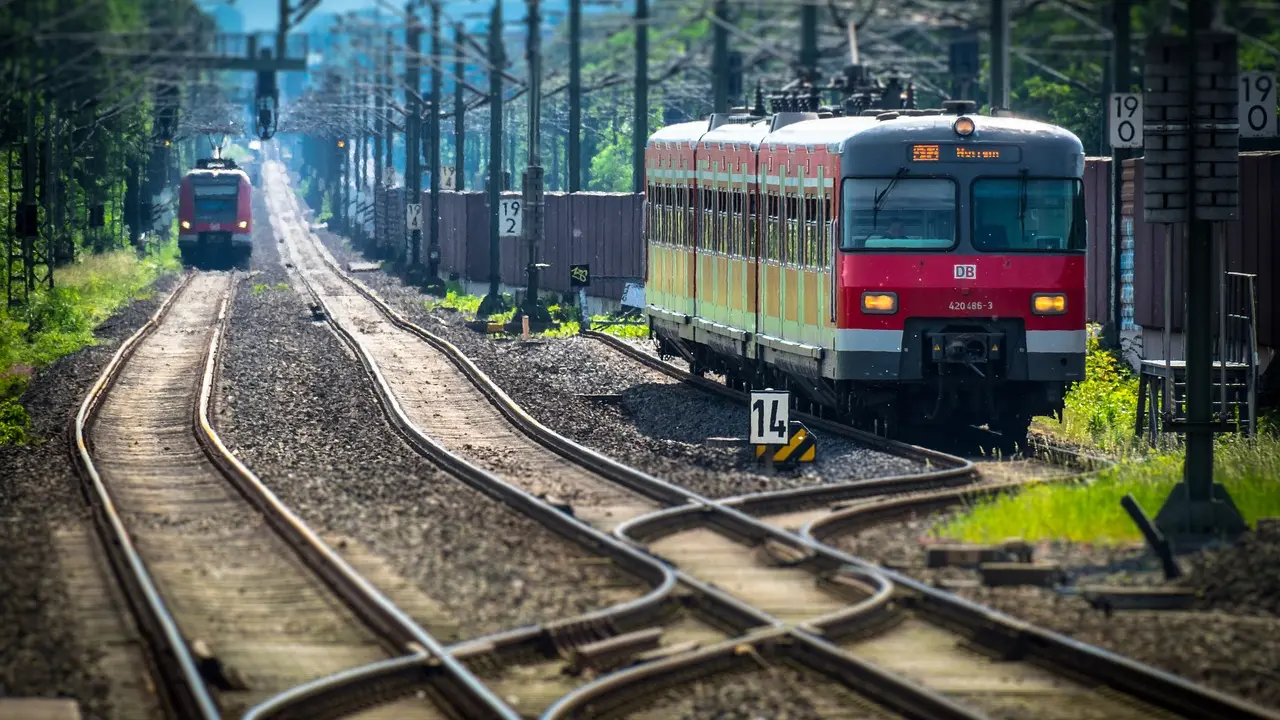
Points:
x=724 y=610
x=1107 y=668
x=370 y=604
x=183 y=688
x=1133 y=678
x=346 y=692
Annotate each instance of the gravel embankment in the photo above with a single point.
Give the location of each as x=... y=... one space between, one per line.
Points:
x=57 y=609
x=1230 y=642
x=781 y=692
x=617 y=406
x=297 y=408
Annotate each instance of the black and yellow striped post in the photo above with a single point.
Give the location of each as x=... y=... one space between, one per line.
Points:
x=801 y=447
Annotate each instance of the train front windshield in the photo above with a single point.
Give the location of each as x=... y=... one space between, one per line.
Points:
x=1028 y=215
x=899 y=213
x=216 y=201
x=1009 y=214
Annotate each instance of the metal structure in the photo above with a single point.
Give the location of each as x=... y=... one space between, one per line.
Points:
x=493 y=304
x=532 y=306
x=1191 y=175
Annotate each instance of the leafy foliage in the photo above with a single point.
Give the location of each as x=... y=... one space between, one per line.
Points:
x=55 y=323
x=1100 y=411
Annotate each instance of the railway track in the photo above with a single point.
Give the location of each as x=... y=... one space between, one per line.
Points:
x=236 y=599
x=921 y=642
x=848 y=603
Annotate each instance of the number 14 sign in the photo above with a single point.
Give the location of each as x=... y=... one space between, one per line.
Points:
x=769 y=417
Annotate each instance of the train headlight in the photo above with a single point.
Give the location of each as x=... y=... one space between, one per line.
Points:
x=1048 y=303
x=186 y=225
x=879 y=303
x=964 y=126
x=244 y=224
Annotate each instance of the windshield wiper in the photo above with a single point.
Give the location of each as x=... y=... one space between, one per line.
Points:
x=1022 y=205
x=881 y=196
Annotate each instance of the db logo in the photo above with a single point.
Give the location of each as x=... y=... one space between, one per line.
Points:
x=966 y=272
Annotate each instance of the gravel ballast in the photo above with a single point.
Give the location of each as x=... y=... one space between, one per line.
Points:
x=297 y=407
x=1231 y=641
x=62 y=627
x=615 y=405
x=780 y=692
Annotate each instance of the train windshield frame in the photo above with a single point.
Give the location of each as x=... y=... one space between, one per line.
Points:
x=216 y=198
x=1047 y=213
x=918 y=213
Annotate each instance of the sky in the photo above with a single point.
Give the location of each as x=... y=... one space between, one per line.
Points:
x=264 y=15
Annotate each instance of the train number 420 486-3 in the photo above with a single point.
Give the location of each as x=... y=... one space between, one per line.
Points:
x=971 y=305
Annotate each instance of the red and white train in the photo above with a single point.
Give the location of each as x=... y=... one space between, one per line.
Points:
x=215 y=215
x=908 y=268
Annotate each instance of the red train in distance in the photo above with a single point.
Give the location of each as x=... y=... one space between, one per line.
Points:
x=215 y=219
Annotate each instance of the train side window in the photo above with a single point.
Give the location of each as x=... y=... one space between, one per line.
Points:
x=735 y=216
x=657 y=214
x=679 y=197
x=713 y=217
x=654 y=213
x=807 y=233
x=792 y=228
x=824 y=232
x=677 y=214
x=753 y=223
x=708 y=219
x=726 y=228
x=656 y=206
x=771 y=226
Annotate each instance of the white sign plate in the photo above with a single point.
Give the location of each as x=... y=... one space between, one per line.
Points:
x=1258 y=105
x=413 y=215
x=770 y=418
x=1124 y=120
x=448 y=177
x=966 y=272
x=510 y=217
x=633 y=295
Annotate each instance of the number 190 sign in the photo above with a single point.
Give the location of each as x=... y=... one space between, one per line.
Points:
x=769 y=417
x=1124 y=114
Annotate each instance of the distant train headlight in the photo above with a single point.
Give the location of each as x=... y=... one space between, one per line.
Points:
x=883 y=303
x=964 y=126
x=186 y=225
x=1048 y=303
x=244 y=224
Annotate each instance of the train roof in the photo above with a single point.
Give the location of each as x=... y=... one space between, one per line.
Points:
x=680 y=132
x=210 y=173
x=846 y=131
x=748 y=133
x=939 y=128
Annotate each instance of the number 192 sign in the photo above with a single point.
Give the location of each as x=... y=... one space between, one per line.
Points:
x=770 y=417
x=510 y=218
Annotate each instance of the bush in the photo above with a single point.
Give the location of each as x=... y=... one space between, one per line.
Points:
x=1101 y=409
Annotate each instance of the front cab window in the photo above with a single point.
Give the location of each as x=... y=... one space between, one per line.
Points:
x=1028 y=215
x=902 y=213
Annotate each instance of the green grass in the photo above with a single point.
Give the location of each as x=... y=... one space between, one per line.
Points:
x=60 y=321
x=1099 y=416
x=326 y=208
x=1248 y=467
x=566 y=315
x=259 y=288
